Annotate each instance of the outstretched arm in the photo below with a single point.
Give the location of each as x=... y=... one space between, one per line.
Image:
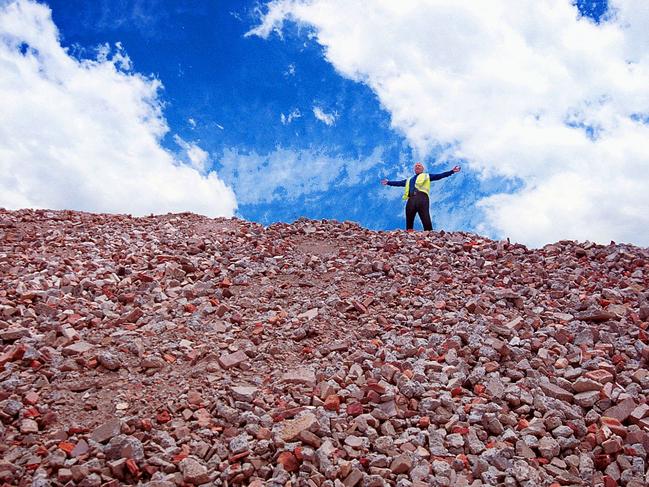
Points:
x=442 y=175
x=385 y=182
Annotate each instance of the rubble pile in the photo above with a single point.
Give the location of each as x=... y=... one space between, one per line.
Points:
x=181 y=350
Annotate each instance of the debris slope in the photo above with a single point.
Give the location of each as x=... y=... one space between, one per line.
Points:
x=182 y=350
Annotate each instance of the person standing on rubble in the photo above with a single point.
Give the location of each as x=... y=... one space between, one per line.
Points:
x=416 y=193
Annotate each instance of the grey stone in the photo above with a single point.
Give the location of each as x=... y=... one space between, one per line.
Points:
x=230 y=360
x=244 y=393
x=301 y=375
x=193 y=471
x=562 y=431
x=108 y=360
x=401 y=464
x=556 y=392
x=106 y=431
x=239 y=444
x=586 y=399
x=455 y=440
x=124 y=446
x=77 y=348
x=548 y=447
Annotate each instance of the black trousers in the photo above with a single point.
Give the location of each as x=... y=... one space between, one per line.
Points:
x=418 y=205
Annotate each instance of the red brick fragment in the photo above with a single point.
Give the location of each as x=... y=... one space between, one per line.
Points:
x=31 y=412
x=613 y=445
x=622 y=410
x=132 y=467
x=163 y=417
x=179 y=457
x=354 y=409
x=332 y=403
x=239 y=456
x=600 y=375
x=15 y=353
x=288 y=460
x=601 y=461
x=264 y=434
x=32 y=398
x=376 y=387
x=298 y=454
x=66 y=446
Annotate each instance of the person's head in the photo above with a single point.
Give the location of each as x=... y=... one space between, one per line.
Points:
x=419 y=168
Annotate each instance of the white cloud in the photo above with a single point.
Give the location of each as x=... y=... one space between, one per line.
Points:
x=290 y=71
x=196 y=157
x=288 y=174
x=326 y=118
x=287 y=119
x=526 y=90
x=85 y=134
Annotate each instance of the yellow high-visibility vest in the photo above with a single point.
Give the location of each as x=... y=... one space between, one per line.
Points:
x=422 y=183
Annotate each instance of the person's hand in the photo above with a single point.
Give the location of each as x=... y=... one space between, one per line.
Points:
x=384 y=182
x=456 y=169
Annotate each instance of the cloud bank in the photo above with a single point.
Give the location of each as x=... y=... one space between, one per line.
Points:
x=528 y=91
x=86 y=134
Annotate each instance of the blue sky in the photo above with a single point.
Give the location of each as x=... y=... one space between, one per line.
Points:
x=289 y=118
x=217 y=77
